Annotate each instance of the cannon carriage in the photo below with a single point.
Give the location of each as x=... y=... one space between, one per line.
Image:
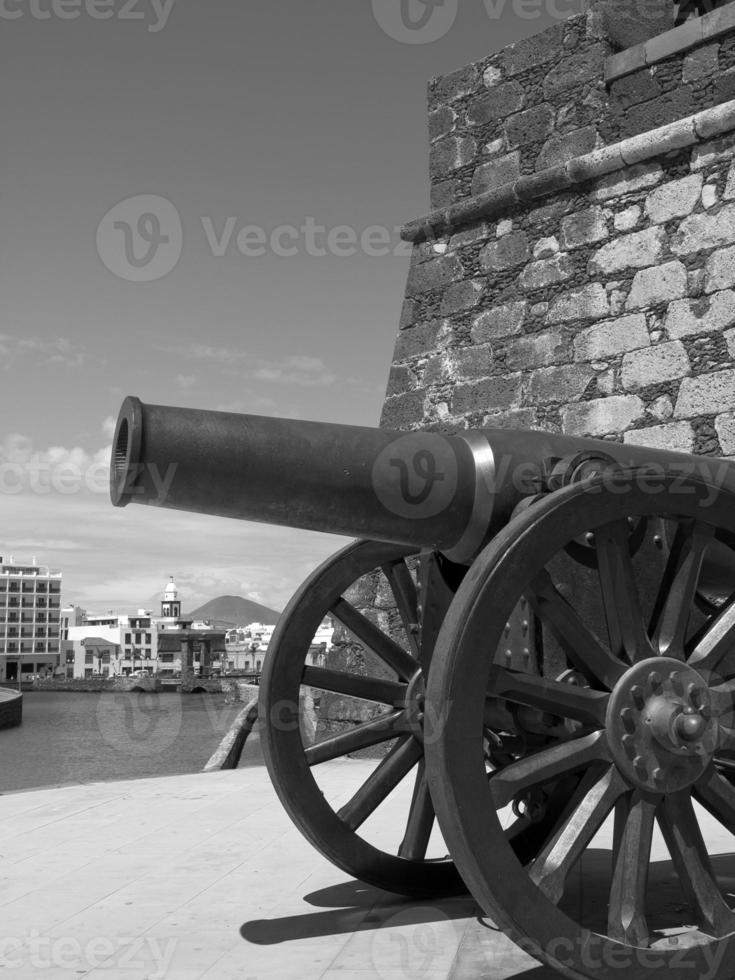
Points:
x=553 y=653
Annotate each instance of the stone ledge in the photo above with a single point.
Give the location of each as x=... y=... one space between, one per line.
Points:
x=688 y=35
x=636 y=149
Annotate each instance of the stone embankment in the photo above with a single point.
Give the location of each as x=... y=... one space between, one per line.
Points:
x=11 y=708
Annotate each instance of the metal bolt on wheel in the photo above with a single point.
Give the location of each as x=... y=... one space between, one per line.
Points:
x=638 y=874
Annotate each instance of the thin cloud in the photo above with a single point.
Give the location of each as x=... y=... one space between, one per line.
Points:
x=59 y=351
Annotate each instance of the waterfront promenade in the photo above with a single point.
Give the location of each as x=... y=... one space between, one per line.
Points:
x=204 y=876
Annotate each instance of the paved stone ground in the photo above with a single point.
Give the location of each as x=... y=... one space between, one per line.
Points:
x=204 y=876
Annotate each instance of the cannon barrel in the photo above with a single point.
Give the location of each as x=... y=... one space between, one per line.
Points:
x=423 y=488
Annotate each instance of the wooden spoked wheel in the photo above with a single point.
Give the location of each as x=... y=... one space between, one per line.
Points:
x=638 y=874
x=314 y=713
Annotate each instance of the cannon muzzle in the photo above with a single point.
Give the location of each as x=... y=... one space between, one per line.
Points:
x=445 y=492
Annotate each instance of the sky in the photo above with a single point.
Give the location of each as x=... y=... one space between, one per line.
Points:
x=199 y=207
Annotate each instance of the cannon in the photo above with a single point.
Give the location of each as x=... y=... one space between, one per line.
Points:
x=548 y=662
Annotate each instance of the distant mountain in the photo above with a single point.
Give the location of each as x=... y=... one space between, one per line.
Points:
x=233 y=610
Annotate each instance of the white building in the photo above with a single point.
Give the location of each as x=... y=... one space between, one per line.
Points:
x=114 y=645
x=30 y=605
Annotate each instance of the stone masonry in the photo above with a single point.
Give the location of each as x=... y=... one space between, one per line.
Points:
x=578 y=272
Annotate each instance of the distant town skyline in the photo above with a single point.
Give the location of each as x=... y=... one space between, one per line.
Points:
x=201 y=209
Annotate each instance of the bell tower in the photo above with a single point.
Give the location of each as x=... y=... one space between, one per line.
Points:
x=171 y=604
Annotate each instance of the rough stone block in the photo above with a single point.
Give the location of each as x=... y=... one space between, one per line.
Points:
x=724 y=89
x=602 y=416
x=572 y=70
x=657 y=285
x=725 y=427
x=627 y=22
x=435 y=274
x=713 y=151
x=505 y=253
x=441 y=122
x=674 y=200
x=533 y=51
x=730 y=341
x=664 y=362
x=687 y=317
x=720 y=270
x=635 y=251
x=400 y=380
x=583 y=228
x=417 y=340
x=628 y=181
x=640 y=86
x=501 y=321
x=462 y=296
x=529 y=126
x=495 y=104
x=546 y=272
x=472 y=362
x=514 y=418
x=729 y=193
x=558 y=384
x=403 y=411
x=450 y=154
x=492 y=394
x=612 y=337
x=588 y=303
x=444 y=193
x=408 y=314
x=700 y=64
x=560 y=149
x=493 y=174
x=627 y=219
x=705 y=231
x=708 y=394
x=457 y=85
x=537 y=350
x=676 y=436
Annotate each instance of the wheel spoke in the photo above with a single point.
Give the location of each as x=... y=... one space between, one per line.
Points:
x=627 y=915
x=581 y=646
x=717 y=794
x=405 y=594
x=393 y=768
x=380 y=729
x=548 y=764
x=559 y=699
x=716 y=640
x=723 y=698
x=420 y=819
x=354 y=685
x=591 y=804
x=688 y=851
x=368 y=634
x=626 y=627
x=673 y=607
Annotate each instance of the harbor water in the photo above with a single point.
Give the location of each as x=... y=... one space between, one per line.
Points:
x=88 y=737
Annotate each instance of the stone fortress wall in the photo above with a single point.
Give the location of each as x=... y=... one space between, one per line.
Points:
x=577 y=271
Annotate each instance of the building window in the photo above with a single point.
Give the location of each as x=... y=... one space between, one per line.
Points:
x=148 y=638
x=137 y=638
x=127 y=638
x=89 y=658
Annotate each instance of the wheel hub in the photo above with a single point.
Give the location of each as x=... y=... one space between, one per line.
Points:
x=662 y=733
